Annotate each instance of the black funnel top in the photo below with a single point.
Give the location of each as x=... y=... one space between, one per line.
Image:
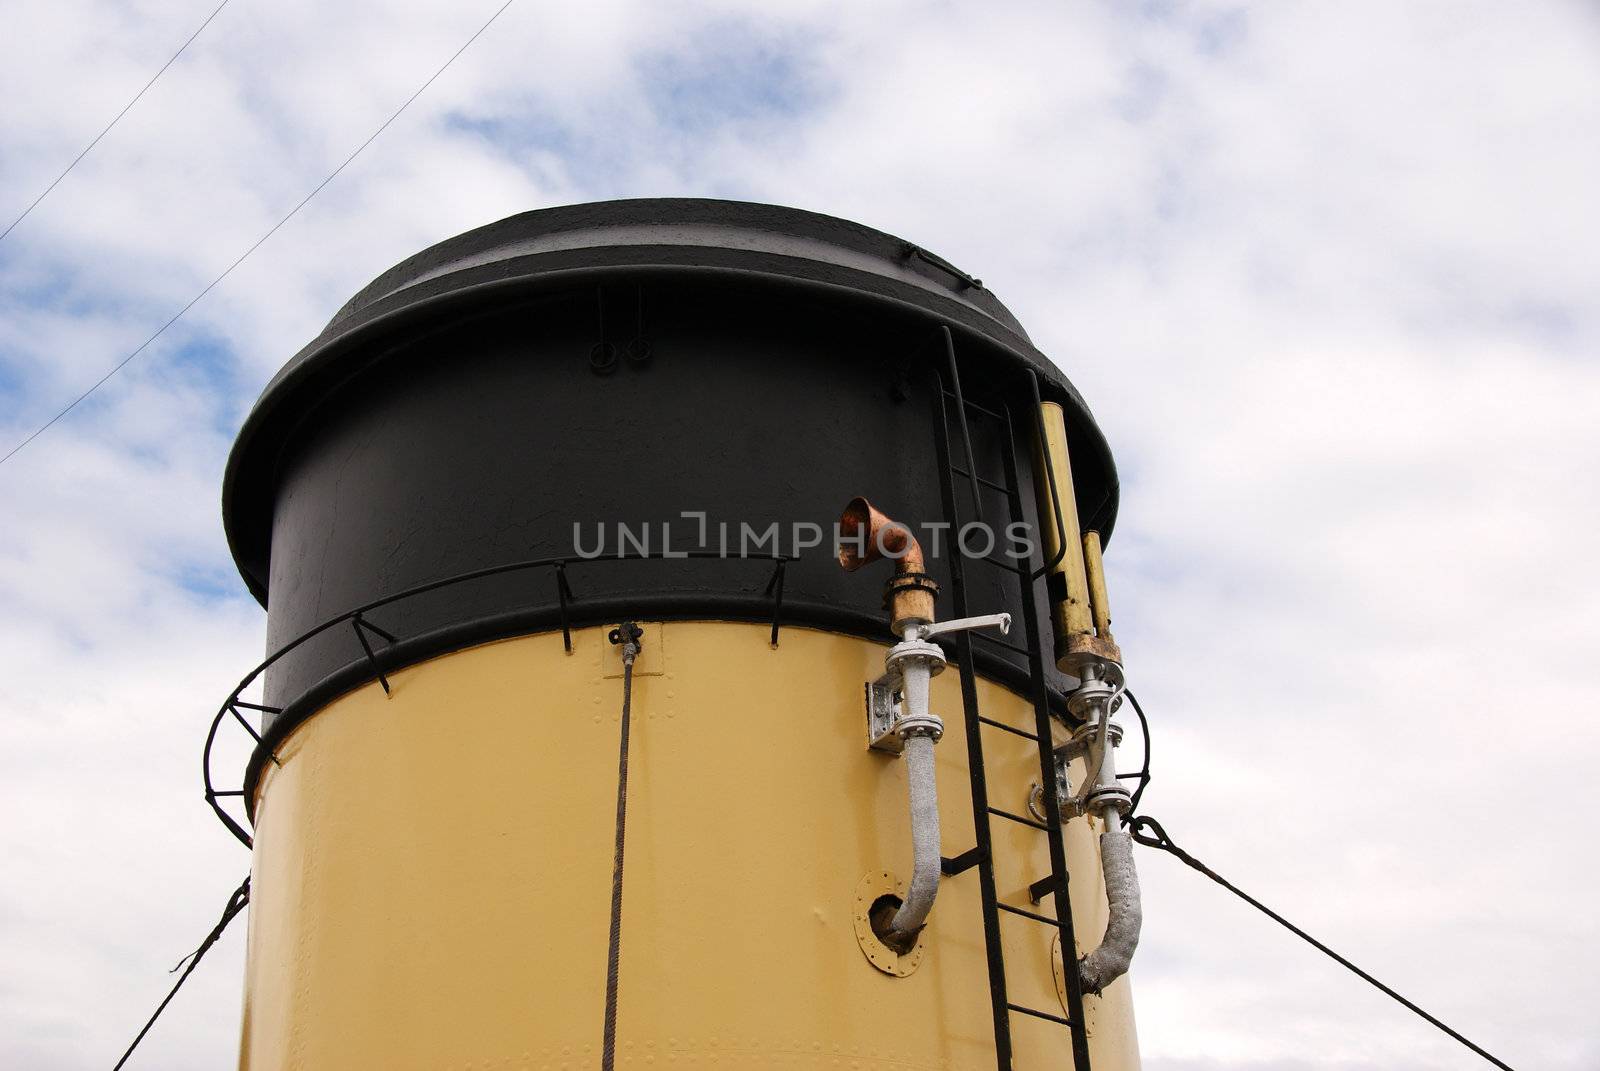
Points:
x=626 y=361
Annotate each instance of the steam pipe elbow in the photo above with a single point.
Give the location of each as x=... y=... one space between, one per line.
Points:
x=899 y=542
x=866 y=535
x=1125 y=916
x=876 y=536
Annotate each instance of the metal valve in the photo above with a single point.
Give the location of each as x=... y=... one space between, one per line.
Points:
x=889 y=721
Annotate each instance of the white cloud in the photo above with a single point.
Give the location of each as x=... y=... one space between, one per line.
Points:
x=1325 y=272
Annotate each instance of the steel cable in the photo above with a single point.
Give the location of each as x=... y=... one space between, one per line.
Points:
x=258 y=243
x=236 y=904
x=1156 y=837
x=114 y=121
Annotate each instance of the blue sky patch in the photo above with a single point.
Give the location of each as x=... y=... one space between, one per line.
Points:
x=730 y=74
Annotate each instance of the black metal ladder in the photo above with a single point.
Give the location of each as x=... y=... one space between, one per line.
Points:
x=949 y=397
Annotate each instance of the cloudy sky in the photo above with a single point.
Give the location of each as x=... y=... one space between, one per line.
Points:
x=1326 y=272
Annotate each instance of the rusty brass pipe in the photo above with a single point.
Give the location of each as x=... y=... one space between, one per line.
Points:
x=866 y=535
x=1099 y=603
x=1073 y=618
x=1071 y=603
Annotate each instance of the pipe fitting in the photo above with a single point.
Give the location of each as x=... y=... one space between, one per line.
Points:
x=1085 y=735
x=1104 y=794
x=927 y=725
x=1090 y=696
x=909 y=654
x=1096 y=698
x=867 y=535
x=1108 y=799
x=1106 y=790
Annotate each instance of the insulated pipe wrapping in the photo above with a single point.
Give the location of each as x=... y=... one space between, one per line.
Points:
x=1110 y=961
x=924 y=796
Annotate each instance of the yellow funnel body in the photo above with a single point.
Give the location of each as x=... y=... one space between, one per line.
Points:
x=432 y=871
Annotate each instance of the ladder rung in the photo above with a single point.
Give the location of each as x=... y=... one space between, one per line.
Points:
x=1008 y=728
x=1027 y=914
x=1045 y=886
x=984 y=480
x=961 y=863
x=998 y=813
x=976 y=408
x=1040 y=1014
x=1023 y=651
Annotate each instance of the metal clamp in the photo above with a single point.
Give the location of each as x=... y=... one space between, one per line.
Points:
x=627 y=636
x=883 y=709
x=1061 y=757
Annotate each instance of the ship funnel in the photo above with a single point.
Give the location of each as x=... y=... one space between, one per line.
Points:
x=577 y=745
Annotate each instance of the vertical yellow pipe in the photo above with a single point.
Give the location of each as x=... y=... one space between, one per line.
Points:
x=1094 y=564
x=1072 y=614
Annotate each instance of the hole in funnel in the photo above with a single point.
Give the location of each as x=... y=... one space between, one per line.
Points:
x=880 y=915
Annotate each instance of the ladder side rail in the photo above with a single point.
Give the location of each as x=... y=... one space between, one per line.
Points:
x=954 y=386
x=1042 y=719
x=1000 y=1008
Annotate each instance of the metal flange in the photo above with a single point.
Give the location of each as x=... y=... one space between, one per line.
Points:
x=874 y=886
x=1079 y=744
x=921 y=650
x=1079 y=663
x=929 y=724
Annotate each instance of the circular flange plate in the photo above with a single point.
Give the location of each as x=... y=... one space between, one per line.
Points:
x=873 y=886
x=1059 y=969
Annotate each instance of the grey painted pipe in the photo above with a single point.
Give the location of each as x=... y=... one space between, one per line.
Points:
x=923 y=791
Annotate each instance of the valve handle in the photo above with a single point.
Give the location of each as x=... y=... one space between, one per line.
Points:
x=962 y=624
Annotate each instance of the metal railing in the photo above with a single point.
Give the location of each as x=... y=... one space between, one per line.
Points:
x=234 y=706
